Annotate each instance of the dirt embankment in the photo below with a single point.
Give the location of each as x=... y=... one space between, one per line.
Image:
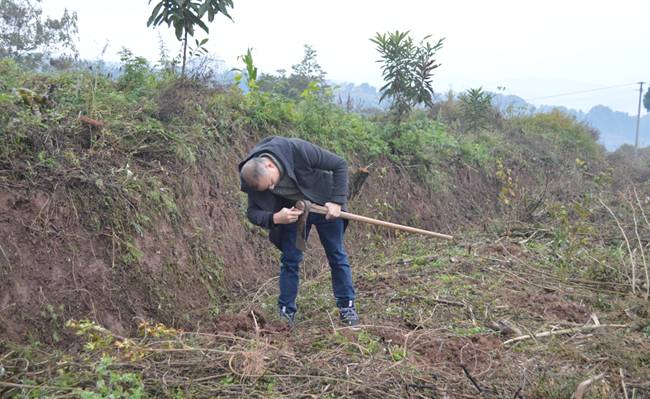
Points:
x=57 y=265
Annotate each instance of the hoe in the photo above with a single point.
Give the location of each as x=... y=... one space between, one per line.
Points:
x=307 y=207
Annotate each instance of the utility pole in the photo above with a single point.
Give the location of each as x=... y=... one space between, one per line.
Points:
x=638 y=118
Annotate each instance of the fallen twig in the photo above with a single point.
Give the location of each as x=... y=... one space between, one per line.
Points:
x=645 y=265
x=620 y=370
x=627 y=243
x=4 y=255
x=471 y=378
x=27 y=386
x=446 y=302
x=561 y=332
x=584 y=385
x=441 y=301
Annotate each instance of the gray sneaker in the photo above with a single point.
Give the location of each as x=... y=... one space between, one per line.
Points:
x=349 y=316
x=287 y=317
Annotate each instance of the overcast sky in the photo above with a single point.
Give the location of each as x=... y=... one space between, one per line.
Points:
x=533 y=49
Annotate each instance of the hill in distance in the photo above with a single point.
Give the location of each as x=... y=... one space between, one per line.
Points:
x=616 y=128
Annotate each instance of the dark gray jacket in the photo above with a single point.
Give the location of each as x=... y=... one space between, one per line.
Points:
x=319 y=174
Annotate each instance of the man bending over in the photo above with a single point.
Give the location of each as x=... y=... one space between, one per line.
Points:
x=277 y=173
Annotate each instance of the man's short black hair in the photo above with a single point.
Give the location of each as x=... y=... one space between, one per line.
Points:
x=252 y=170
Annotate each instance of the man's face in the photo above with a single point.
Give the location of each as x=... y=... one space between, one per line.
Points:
x=264 y=183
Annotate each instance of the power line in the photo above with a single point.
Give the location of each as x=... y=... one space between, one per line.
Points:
x=581 y=91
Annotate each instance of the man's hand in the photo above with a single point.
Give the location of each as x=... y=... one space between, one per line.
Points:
x=333 y=210
x=286 y=215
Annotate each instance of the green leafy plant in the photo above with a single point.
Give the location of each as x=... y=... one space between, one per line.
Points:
x=407 y=68
x=250 y=71
x=397 y=353
x=97 y=337
x=199 y=48
x=476 y=105
x=135 y=71
x=112 y=384
x=422 y=144
x=368 y=343
x=185 y=15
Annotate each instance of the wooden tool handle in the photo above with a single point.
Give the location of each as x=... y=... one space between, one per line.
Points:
x=351 y=216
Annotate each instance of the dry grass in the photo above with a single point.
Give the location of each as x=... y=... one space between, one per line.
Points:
x=432 y=329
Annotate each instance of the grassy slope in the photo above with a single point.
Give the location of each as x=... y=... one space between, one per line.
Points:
x=551 y=259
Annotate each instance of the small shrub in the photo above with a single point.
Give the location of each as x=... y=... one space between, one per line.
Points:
x=137 y=78
x=476 y=106
x=115 y=385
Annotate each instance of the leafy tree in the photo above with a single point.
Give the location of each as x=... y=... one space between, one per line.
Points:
x=307 y=76
x=184 y=15
x=308 y=68
x=646 y=100
x=30 y=39
x=407 y=68
x=476 y=105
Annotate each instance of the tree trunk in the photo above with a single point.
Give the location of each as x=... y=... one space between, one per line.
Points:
x=184 y=54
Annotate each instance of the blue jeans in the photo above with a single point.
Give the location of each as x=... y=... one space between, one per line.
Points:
x=330 y=233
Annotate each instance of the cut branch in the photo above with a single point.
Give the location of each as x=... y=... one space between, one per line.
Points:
x=645 y=265
x=620 y=370
x=562 y=332
x=469 y=376
x=627 y=242
x=584 y=385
